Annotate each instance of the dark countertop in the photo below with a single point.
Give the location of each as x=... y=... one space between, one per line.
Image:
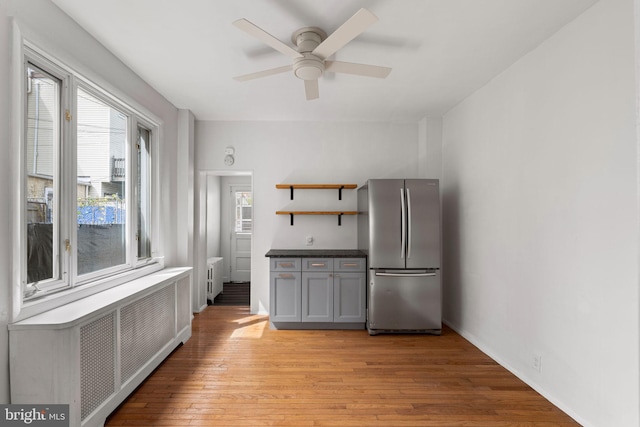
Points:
x=315 y=253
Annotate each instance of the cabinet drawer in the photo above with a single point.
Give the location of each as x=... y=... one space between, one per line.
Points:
x=317 y=264
x=285 y=264
x=350 y=264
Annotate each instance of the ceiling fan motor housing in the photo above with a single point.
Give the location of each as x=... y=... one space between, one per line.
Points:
x=309 y=67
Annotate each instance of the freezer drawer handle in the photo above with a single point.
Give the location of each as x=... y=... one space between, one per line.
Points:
x=407 y=275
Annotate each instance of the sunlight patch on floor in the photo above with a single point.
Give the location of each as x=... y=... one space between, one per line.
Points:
x=252 y=330
x=249 y=319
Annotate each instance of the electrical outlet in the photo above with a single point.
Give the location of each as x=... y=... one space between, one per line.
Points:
x=537 y=362
x=309 y=240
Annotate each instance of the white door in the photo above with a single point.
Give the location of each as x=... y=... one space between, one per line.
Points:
x=241 y=228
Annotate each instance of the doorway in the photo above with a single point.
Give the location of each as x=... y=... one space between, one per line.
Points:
x=229 y=223
x=215 y=224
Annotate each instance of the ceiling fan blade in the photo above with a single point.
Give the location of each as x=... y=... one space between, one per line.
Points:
x=264 y=73
x=357 y=69
x=266 y=38
x=311 y=89
x=354 y=26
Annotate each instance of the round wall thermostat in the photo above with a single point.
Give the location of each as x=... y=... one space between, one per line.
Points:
x=228 y=160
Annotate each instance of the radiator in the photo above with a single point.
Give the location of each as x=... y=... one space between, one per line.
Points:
x=95 y=362
x=214 y=277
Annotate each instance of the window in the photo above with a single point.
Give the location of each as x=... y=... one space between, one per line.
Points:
x=101 y=142
x=243 y=212
x=143 y=195
x=43 y=120
x=88 y=184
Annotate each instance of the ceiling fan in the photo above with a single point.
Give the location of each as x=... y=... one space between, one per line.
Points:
x=313 y=48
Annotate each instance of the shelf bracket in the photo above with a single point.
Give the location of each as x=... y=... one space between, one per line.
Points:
x=340 y=192
x=291 y=189
x=340 y=218
x=291 y=215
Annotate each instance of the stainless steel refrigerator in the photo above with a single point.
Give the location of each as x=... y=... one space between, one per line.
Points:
x=399 y=230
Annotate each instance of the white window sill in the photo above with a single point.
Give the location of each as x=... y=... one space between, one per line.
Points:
x=73 y=313
x=50 y=302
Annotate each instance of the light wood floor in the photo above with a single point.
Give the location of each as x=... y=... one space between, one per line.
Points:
x=235 y=371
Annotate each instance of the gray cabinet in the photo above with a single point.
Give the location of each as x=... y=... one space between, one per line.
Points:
x=349 y=297
x=285 y=290
x=318 y=291
x=317 y=297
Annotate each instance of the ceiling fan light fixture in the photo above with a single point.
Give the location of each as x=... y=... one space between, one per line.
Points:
x=308 y=68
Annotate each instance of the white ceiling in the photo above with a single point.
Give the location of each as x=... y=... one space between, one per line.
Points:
x=441 y=51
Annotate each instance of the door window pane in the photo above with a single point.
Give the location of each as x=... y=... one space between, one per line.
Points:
x=243 y=212
x=101 y=166
x=42 y=143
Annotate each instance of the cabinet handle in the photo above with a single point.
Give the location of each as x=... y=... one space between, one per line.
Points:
x=286 y=276
x=350 y=264
x=286 y=264
x=319 y=264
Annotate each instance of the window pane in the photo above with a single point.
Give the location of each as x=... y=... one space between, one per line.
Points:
x=101 y=164
x=43 y=143
x=144 y=194
x=243 y=212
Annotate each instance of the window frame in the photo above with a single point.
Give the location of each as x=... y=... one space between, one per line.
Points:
x=151 y=134
x=58 y=283
x=69 y=286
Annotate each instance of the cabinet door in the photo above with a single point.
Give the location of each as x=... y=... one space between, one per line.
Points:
x=349 y=297
x=285 y=297
x=317 y=297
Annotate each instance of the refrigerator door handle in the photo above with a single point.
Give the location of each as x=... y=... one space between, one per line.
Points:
x=403 y=226
x=408 y=224
x=406 y=274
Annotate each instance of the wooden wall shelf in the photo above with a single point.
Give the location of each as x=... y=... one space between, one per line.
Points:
x=338 y=187
x=338 y=213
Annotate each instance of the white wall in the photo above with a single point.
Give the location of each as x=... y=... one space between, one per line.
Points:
x=44 y=24
x=185 y=187
x=283 y=152
x=5 y=194
x=430 y=147
x=541 y=217
x=213 y=215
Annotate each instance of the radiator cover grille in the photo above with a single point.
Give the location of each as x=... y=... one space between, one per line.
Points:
x=146 y=326
x=184 y=303
x=97 y=363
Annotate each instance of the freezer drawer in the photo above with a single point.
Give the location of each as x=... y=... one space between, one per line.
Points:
x=404 y=302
